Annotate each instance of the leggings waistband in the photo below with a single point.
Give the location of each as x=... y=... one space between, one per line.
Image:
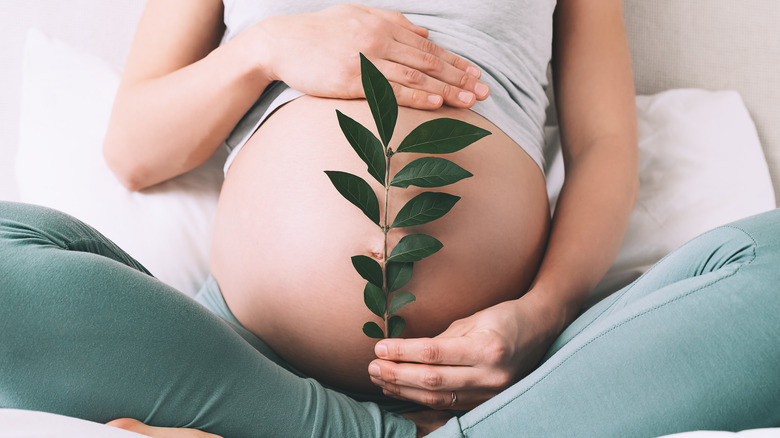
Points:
x=210 y=296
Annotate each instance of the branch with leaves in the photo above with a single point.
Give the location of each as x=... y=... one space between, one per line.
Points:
x=382 y=293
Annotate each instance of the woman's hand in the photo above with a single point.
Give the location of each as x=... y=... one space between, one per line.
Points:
x=317 y=53
x=158 y=432
x=473 y=360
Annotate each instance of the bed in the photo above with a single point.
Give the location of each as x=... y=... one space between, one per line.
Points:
x=708 y=100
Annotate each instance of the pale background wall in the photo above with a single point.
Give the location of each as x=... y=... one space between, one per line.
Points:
x=101 y=37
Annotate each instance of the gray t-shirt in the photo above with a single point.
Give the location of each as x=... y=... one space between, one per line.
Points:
x=510 y=41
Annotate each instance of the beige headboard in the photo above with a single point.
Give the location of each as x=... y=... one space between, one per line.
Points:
x=713 y=44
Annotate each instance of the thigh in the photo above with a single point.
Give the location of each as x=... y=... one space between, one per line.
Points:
x=690 y=345
x=86 y=332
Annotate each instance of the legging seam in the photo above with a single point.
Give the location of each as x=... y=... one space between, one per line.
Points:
x=613 y=328
x=632 y=285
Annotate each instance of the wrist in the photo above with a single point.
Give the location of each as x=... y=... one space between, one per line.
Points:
x=265 y=46
x=558 y=309
x=252 y=53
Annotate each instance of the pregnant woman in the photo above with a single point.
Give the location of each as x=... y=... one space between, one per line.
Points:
x=284 y=237
x=279 y=352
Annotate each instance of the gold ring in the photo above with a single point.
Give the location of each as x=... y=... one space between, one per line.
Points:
x=454 y=399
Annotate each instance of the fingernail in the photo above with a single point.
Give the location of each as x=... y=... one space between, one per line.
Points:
x=481 y=89
x=473 y=71
x=374 y=370
x=381 y=350
x=434 y=99
x=465 y=96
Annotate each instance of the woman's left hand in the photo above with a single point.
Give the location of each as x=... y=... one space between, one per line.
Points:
x=473 y=360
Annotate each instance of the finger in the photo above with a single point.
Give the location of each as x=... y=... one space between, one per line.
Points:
x=414 y=79
x=427 y=46
x=462 y=400
x=419 y=67
x=404 y=96
x=440 y=350
x=399 y=19
x=439 y=377
x=416 y=98
x=427 y=377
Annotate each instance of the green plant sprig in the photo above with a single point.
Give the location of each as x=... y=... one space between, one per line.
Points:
x=382 y=293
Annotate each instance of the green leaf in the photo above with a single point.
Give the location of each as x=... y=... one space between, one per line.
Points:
x=395 y=326
x=369 y=269
x=424 y=208
x=381 y=99
x=429 y=172
x=372 y=330
x=399 y=300
x=398 y=274
x=375 y=300
x=441 y=136
x=357 y=191
x=414 y=247
x=367 y=146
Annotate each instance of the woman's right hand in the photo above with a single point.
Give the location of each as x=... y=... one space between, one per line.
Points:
x=317 y=53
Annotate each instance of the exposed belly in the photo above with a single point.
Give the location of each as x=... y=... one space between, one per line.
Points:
x=284 y=236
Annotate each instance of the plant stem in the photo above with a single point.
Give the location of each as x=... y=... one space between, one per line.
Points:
x=386 y=229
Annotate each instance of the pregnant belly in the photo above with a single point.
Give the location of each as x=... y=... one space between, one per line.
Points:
x=284 y=236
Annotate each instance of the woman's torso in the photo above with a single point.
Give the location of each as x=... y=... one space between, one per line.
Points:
x=284 y=236
x=509 y=40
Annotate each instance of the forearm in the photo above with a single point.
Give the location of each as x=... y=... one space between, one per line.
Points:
x=587 y=229
x=594 y=92
x=164 y=126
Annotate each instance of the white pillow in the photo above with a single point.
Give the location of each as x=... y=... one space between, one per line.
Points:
x=66 y=102
x=751 y=433
x=33 y=424
x=701 y=165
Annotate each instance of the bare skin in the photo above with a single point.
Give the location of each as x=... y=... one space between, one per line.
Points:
x=287 y=275
x=136 y=426
x=482 y=355
x=594 y=96
x=181 y=90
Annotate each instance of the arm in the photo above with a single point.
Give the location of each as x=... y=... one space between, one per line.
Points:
x=176 y=102
x=497 y=346
x=181 y=93
x=597 y=116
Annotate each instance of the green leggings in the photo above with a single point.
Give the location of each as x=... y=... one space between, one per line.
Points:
x=86 y=331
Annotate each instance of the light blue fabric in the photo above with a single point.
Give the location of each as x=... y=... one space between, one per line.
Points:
x=85 y=331
x=694 y=344
x=510 y=41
